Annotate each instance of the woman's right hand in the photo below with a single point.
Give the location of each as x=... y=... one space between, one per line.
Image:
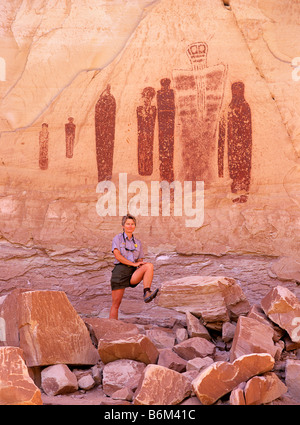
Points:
x=139 y=263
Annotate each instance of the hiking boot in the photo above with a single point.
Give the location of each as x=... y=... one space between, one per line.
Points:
x=150 y=295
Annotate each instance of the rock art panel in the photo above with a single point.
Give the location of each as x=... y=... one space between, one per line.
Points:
x=105 y=118
x=70 y=128
x=146 y=115
x=200 y=93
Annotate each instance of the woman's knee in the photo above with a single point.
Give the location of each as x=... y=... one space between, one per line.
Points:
x=149 y=266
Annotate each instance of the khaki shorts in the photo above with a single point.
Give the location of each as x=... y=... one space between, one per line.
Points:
x=121 y=275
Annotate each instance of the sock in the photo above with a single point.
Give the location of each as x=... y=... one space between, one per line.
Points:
x=146 y=290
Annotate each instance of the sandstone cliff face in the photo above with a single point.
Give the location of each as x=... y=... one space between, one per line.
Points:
x=156 y=90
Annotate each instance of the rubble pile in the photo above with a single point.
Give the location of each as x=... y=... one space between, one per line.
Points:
x=249 y=355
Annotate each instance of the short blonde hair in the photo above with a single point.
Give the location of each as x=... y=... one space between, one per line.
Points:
x=128 y=217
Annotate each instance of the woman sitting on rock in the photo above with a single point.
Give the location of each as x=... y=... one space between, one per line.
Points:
x=130 y=269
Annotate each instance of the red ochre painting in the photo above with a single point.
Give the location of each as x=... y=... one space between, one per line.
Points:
x=70 y=137
x=237 y=129
x=199 y=94
x=43 y=144
x=166 y=125
x=105 y=118
x=146 y=120
x=204 y=132
x=146 y=115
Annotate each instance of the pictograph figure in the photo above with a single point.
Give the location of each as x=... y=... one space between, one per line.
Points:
x=43 y=143
x=199 y=98
x=166 y=122
x=146 y=116
x=239 y=137
x=105 y=118
x=70 y=137
x=238 y=133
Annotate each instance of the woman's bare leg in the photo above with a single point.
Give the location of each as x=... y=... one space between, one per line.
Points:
x=117 y=296
x=143 y=273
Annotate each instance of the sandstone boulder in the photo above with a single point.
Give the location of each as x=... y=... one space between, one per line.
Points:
x=168 y=358
x=222 y=377
x=253 y=364
x=283 y=308
x=120 y=374
x=181 y=335
x=123 y=394
x=292 y=378
x=9 y=319
x=86 y=382
x=97 y=374
x=264 y=389
x=256 y=312
x=214 y=299
x=194 y=347
x=135 y=347
x=161 y=338
x=252 y=336
x=101 y=328
x=16 y=386
x=199 y=363
x=195 y=327
x=162 y=386
x=58 y=379
x=51 y=332
x=228 y=331
x=237 y=396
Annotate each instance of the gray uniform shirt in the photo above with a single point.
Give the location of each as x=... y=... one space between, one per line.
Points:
x=121 y=242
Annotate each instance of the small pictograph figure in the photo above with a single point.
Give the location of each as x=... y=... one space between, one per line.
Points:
x=43 y=144
x=70 y=137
